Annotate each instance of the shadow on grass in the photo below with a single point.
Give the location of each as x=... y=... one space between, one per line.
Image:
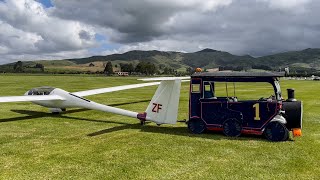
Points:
x=37 y=114
x=179 y=131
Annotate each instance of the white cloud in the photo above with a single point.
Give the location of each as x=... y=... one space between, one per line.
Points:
x=15 y=40
x=291 y=5
x=134 y=21
x=26 y=28
x=256 y=27
x=205 y=6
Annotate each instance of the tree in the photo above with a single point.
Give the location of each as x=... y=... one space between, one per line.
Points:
x=150 y=68
x=40 y=66
x=127 y=67
x=161 y=66
x=190 y=70
x=108 y=70
x=130 y=68
x=147 y=68
x=18 y=66
x=167 y=70
x=141 y=67
x=264 y=67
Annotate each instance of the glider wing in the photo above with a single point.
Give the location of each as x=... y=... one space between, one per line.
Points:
x=164 y=78
x=112 y=89
x=30 y=98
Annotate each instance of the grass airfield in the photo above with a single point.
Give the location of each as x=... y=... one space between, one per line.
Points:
x=87 y=144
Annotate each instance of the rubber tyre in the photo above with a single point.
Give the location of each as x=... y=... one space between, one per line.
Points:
x=232 y=127
x=276 y=131
x=196 y=126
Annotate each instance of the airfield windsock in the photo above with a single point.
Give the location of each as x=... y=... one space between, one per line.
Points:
x=163 y=108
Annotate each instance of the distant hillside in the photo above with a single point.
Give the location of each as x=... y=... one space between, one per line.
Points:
x=209 y=58
x=305 y=61
x=160 y=58
x=308 y=59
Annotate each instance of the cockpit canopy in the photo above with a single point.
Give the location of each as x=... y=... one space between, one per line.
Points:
x=45 y=90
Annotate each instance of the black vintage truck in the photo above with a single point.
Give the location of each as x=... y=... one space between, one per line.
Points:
x=271 y=116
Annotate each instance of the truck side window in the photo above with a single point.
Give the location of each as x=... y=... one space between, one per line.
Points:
x=195 y=88
x=207 y=91
x=207 y=87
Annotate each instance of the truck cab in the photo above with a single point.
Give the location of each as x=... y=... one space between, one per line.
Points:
x=234 y=113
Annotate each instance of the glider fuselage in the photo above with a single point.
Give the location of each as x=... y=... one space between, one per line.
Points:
x=70 y=100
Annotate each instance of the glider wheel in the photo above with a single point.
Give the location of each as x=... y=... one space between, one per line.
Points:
x=142 y=122
x=196 y=126
x=276 y=131
x=232 y=127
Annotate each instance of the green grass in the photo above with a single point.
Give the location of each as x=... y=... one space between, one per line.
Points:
x=87 y=144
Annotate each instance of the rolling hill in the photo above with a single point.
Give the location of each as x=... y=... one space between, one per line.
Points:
x=305 y=61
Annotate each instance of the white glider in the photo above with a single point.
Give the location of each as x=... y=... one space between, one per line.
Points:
x=162 y=109
x=165 y=78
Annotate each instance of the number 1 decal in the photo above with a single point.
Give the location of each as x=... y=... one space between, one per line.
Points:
x=257 y=111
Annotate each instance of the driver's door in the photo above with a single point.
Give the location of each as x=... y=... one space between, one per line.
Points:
x=255 y=113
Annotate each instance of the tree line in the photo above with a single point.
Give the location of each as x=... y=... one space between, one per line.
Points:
x=142 y=68
x=146 y=68
x=19 y=67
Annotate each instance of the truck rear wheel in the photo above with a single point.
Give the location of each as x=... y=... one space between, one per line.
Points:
x=196 y=126
x=276 y=131
x=232 y=127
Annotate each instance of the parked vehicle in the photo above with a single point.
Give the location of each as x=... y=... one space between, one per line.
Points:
x=270 y=116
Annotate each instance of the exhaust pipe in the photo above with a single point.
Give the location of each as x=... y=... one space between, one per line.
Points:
x=291 y=95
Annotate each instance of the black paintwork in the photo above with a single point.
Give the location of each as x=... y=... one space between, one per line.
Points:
x=219 y=112
x=214 y=111
x=293 y=112
x=240 y=75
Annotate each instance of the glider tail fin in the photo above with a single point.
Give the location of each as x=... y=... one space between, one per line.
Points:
x=163 y=108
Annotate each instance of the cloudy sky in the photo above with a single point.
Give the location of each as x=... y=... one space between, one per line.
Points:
x=57 y=29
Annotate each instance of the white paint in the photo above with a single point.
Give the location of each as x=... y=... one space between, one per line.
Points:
x=164 y=78
x=167 y=95
x=30 y=98
x=163 y=108
x=112 y=89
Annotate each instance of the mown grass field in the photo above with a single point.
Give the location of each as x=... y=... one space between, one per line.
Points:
x=87 y=144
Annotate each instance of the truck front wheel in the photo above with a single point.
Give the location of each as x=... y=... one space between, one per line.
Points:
x=196 y=126
x=276 y=131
